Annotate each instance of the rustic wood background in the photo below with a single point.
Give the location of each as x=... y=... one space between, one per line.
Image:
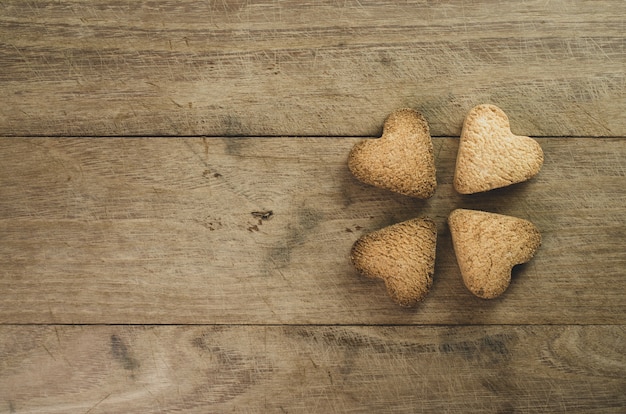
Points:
x=176 y=211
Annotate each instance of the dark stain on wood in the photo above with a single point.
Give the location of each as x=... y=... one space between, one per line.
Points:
x=207 y=173
x=229 y=373
x=309 y=218
x=507 y=408
x=206 y=147
x=232 y=126
x=488 y=348
x=121 y=353
x=306 y=220
x=209 y=223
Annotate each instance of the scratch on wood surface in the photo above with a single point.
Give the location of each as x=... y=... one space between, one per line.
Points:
x=56 y=332
x=176 y=103
x=206 y=147
x=594 y=118
x=98 y=403
x=48 y=351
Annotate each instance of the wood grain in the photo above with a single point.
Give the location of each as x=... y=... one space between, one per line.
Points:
x=179 y=231
x=198 y=274
x=322 y=68
x=105 y=369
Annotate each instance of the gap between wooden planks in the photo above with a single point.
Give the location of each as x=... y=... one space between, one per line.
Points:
x=179 y=231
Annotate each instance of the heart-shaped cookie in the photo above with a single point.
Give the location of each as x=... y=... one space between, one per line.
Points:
x=403 y=255
x=488 y=245
x=490 y=155
x=401 y=160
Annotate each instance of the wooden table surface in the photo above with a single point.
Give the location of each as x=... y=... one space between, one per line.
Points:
x=176 y=211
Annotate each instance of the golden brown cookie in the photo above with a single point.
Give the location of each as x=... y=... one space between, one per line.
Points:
x=490 y=155
x=488 y=245
x=401 y=160
x=403 y=255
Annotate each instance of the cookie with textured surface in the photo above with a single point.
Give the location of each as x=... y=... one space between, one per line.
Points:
x=488 y=245
x=490 y=155
x=403 y=255
x=401 y=160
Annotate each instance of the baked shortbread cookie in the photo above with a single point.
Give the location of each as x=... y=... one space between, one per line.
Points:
x=490 y=155
x=403 y=255
x=401 y=160
x=488 y=245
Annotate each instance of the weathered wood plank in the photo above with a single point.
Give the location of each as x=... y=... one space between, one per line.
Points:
x=317 y=68
x=168 y=231
x=98 y=369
